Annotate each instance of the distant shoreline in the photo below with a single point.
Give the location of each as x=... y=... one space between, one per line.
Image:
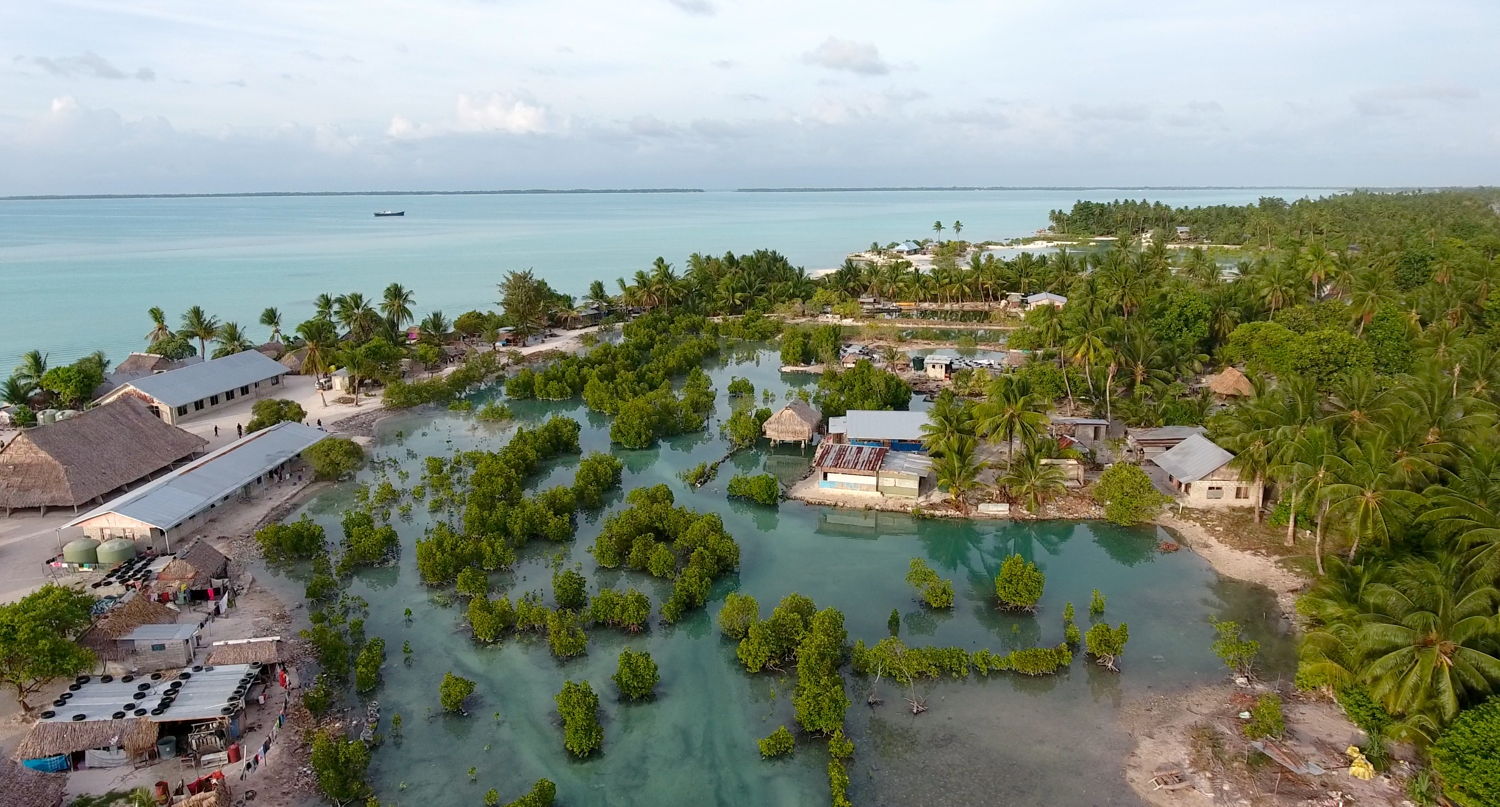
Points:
x=294 y=194
x=564 y=191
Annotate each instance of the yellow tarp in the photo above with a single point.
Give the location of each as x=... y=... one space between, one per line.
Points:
x=1359 y=766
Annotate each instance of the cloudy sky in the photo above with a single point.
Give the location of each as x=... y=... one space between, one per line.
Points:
x=119 y=96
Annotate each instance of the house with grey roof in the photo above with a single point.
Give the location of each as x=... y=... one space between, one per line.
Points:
x=191 y=391
x=174 y=505
x=898 y=431
x=1199 y=470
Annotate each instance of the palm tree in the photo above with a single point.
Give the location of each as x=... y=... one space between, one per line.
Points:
x=1031 y=481
x=1365 y=493
x=1011 y=411
x=32 y=367
x=320 y=340
x=396 y=304
x=598 y=296
x=434 y=329
x=271 y=318
x=15 y=391
x=949 y=419
x=356 y=315
x=159 y=329
x=1428 y=637
x=231 y=340
x=199 y=324
x=958 y=227
x=323 y=306
x=1372 y=289
x=958 y=471
x=1465 y=508
x=360 y=362
x=937 y=227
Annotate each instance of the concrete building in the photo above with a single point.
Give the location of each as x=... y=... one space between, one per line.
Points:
x=149 y=648
x=871 y=469
x=176 y=504
x=939 y=366
x=898 y=431
x=1199 y=471
x=1045 y=298
x=189 y=392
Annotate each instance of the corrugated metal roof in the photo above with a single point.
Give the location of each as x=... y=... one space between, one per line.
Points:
x=906 y=462
x=1045 y=296
x=198 y=381
x=1165 y=433
x=875 y=424
x=845 y=457
x=1071 y=421
x=162 y=633
x=941 y=358
x=1193 y=458
x=181 y=494
x=203 y=695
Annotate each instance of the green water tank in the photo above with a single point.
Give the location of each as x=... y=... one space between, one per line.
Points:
x=118 y=550
x=82 y=550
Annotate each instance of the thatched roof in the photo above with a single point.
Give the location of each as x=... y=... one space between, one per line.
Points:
x=266 y=651
x=74 y=461
x=21 y=786
x=272 y=349
x=293 y=359
x=796 y=421
x=194 y=565
x=52 y=737
x=125 y=617
x=1230 y=382
x=139 y=364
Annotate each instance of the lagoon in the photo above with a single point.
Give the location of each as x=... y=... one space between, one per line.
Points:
x=77 y=275
x=1001 y=740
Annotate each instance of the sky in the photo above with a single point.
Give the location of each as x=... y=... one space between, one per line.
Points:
x=186 y=96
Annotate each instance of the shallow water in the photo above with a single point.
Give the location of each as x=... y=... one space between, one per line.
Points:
x=1002 y=740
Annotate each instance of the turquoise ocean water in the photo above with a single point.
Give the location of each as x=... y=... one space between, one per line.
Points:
x=77 y=275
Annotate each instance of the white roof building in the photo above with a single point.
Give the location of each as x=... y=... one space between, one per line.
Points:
x=184 y=392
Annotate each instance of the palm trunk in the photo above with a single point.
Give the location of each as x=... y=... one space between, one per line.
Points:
x=1291 y=525
x=1260 y=495
x=1318 y=538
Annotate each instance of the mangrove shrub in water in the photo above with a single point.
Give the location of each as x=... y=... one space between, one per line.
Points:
x=579 y=707
x=759 y=488
x=1019 y=584
x=1107 y=644
x=934 y=590
x=778 y=743
x=1127 y=494
x=453 y=691
x=636 y=675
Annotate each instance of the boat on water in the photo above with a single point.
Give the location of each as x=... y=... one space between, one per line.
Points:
x=380 y=214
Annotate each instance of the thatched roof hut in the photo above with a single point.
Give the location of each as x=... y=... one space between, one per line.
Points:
x=255 y=651
x=52 y=737
x=797 y=422
x=294 y=359
x=21 y=786
x=1231 y=383
x=139 y=609
x=194 y=566
x=75 y=461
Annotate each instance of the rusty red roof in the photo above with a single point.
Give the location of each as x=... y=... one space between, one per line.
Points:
x=846 y=457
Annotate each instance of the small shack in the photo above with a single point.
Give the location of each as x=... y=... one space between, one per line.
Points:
x=1230 y=383
x=871 y=469
x=200 y=572
x=1148 y=444
x=130 y=612
x=160 y=647
x=797 y=422
x=898 y=431
x=64 y=743
x=1080 y=429
x=1200 y=472
x=902 y=474
x=939 y=366
x=1042 y=298
x=267 y=651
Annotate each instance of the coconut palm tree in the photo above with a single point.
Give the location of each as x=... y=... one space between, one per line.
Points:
x=320 y=340
x=356 y=315
x=32 y=367
x=16 y=391
x=1011 y=411
x=1428 y=637
x=323 y=306
x=1366 y=495
x=199 y=324
x=396 y=305
x=598 y=296
x=958 y=470
x=271 y=318
x=949 y=419
x=1464 y=509
x=434 y=329
x=958 y=227
x=1031 y=481
x=231 y=339
x=159 y=329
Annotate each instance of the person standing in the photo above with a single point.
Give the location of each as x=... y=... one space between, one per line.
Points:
x=216 y=430
x=239 y=430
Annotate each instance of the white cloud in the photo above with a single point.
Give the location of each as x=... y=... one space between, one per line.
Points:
x=90 y=65
x=842 y=54
x=500 y=113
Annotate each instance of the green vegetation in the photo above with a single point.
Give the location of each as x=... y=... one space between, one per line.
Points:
x=37 y=639
x=1096 y=603
x=298 y=540
x=340 y=766
x=334 y=457
x=890 y=657
x=934 y=590
x=1019 y=584
x=1464 y=756
x=453 y=691
x=1107 y=644
x=740 y=611
x=652 y=534
x=268 y=412
x=778 y=743
x=636 y=675
x=760 y=488
x=565 y=636
x=579 y=707
x=367 y=666
x=1237 y=652
x=1128 y=495
x=494 y=412
x=1266 y=718
x=1071 y=635
x=862 y=386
